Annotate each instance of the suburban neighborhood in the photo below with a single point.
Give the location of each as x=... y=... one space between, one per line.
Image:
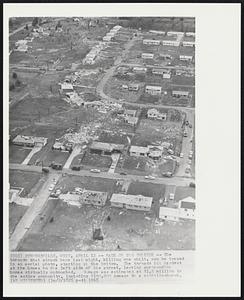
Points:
x=102 y=133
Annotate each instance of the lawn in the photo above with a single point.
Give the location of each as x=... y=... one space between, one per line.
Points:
x=135 y=163
x=69 y=183
x=16 y=212
x=17 y=154
x=27 y=180
x=114 y=137
x=183 y=192
x=96 y=160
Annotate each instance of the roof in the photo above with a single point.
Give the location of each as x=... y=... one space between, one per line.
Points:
x=151 y=40
x=106 y=146
x=168 y=211
x=160 y=70
x=188 y=203
x=66 y=86
x=139 y=149
x=138 y=200
x=188 y=56
x=130 y=111
x=180 y=92
x=153 y=110
x=152 y=87
x=30 y=139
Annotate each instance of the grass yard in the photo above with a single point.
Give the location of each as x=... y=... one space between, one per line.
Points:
x=69 y=183
x=135 y=164
x=16 y=212
x=96 y=160
x=183 y=192
x=114 y=137
x=17 y=154
x=26 y=180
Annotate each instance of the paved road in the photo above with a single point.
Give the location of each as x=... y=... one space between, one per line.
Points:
x=177 y=180
x=33 y=211
x=19 y=29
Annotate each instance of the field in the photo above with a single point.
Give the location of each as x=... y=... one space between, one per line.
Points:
x=90 y=183
x=17 y=154
x=71 y=229
x=16 y=212
x=27 y=180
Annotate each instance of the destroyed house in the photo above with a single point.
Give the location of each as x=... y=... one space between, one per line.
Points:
x=169 y=214
x=187 y=208
x=139 y=70
x=131 y=120
x=138 y=151
x=130 y=112
x=105 y=148
x=186 y=57
x=66 y=87
x=135 y=202
x=147 y=55
x=95 y=198
x=153 y=113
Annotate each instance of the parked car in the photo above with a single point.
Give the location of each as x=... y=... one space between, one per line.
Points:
x=190 y=126
x=123 y=173
x=75 y=168
x=192 y=184
x=168 y=174
x=45 y=170
x=181 y=155
x=171 y=196
x=95 y=171
x=51 y=187
x=185 y=134
x=187 y=123
x=191 y=152
x=190 y=156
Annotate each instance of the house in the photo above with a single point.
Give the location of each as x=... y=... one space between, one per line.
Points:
x=153 y=113
x=165 y=56
x=151 y=42
x=131 y=120
x=186 y=57
x=139 y=70
x=135 y=202
x=138 y=151
x=147 y=55
x=187 y=208
x=171 y=43
x=153 y=90
x=169 y=214
x=105 y=148
x=190 y=34
x=188 y=44
x=29 y=141
x=179 y=94
x=155 y=153
x=133 y=87
x=164 y=72
x=130 y=112
x=66 y=87
x=157 y=32
x=107 y=38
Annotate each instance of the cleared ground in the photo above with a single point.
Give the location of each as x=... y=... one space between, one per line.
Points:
x=17 y=154
x=16 y=212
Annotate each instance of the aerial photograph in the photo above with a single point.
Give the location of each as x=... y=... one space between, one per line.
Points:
x=101 y=133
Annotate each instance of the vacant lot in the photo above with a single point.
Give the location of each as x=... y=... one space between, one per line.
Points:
x=17 y=154
x=96 y=161
x=16 y=212
x=50 y=156
x=114 y=137
x=26 y=180
x=71 y=229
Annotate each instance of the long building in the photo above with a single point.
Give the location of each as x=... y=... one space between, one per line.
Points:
x=153 y=90
x=151 y=42
x=135 y=202
x=106 y=148
x=29 y=141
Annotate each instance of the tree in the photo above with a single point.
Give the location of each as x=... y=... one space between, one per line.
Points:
x=26 y=27
x=11 y=87
x=18 y=82
x=35 y=22
x=15 y=76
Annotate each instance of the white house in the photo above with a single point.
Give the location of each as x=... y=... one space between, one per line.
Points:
x=135 y=202
x=151 y=42
x=172 y=33
x=188 y=44
x=179 y=94
x=190 y=34
x=139 y=70
x=133 y=87
x=186 y=57
x=153 y=90
x=153 y=113
x=169 y=214
x=30 y=141
x=130 y=112
x=66 y=87
x=187 y=208
x=157 y=32
x=131 y=120
x=171 y=43
x=147 y=55
x=138 y=151
x=165 y=56
x=164 y=72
